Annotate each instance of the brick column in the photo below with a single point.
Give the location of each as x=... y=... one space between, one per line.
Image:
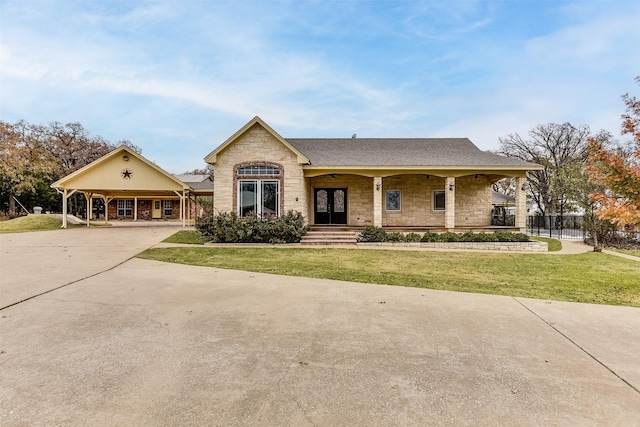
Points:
x=521 y=205
x=450 y=203
x=377 y=201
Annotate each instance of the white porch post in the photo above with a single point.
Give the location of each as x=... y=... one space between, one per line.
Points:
x=521 y=205
x=89 y=208
x=135 y=208
x=107 y=200
x=450 y=203
x=377 y=201
x=64 y=208
x=183 y=199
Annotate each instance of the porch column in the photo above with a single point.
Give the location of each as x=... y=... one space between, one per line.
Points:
x=450 y=203
x=64 y=208
x=184 y=207
x=89 y=208
x=521 y=204
x=377 y=201
x=135 y=208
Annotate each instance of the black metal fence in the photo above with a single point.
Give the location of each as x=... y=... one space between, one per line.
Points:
x=557 y=226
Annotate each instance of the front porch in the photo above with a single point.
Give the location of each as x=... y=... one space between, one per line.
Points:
x=410 y=202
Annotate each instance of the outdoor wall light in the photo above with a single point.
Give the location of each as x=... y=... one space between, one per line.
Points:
x=125 y=158
x=450 y=187
x=377 y=186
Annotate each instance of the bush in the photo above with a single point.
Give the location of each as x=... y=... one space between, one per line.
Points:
x=412 y=237
x=449 y=237
x=372 y=234
x=429 y=236
x=394 y=237
x=228 y=227
x=377 y=234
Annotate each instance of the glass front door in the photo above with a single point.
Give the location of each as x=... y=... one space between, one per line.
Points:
x=330 y=206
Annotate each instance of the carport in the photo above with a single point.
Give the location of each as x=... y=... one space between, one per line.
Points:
x=142 y=189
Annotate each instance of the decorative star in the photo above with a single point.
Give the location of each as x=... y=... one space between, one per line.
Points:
x=126 y=174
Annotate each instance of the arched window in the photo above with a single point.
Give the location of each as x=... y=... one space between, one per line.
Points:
x=258 y=170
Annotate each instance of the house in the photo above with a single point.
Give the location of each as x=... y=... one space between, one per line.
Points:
x=440 y=183
x=431 y=183
x=130 y=187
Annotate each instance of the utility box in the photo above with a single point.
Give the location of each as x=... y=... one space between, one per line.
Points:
x=37 y=210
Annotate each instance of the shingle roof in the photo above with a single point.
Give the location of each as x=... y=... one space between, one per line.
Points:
x=192 y=177
x=399 y=152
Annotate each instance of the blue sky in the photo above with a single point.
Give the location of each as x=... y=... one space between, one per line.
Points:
x=178 y=78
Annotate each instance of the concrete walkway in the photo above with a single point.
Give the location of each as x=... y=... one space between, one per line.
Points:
x=139 y=342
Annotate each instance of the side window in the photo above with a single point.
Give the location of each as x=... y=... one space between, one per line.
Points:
x=438 y=200
x=393 y=200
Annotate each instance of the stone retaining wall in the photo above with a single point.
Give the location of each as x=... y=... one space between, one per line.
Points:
x=534 y=247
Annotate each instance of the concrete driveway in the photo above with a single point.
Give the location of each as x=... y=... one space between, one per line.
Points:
x=149 y=343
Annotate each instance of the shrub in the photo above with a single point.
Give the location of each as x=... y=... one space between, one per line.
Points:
x=228 y=227
x=394 y=237
x=448 y=237
x=372 y=234
x=429 y=236
x=412 y=237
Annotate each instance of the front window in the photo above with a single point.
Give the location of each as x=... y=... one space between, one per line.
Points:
x=168 y=207
x=393 y=200
x=125 y=207
x=439 y=200
x=258 y=196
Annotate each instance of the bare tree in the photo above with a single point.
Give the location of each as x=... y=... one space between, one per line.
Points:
x=562 y=150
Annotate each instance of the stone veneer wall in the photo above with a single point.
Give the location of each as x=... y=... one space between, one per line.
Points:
x=473 y=199
x=416 y=193
x=260 y=146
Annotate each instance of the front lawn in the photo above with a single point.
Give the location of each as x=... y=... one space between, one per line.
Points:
x=553 y=245
x=28 y=223
x=187 y=237
x=590 y=277
x=633 y=252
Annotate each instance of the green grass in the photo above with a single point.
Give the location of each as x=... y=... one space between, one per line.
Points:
x=590 y=277
x=633 y=252
x=29 y=223
x=554 y=245
x=186 y=236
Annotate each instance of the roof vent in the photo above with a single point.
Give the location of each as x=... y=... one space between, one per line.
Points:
x=353 y=136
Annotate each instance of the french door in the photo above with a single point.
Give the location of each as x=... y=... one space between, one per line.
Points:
x=330 y=205
x=260 y=197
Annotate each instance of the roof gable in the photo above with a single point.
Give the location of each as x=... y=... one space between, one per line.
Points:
x=212 y=157
x=108 y=173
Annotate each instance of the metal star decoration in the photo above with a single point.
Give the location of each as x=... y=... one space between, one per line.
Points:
x=126 y=174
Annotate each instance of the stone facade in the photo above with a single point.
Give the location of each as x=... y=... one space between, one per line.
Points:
x=472 y=199
x=258 y=146
x=467 y=199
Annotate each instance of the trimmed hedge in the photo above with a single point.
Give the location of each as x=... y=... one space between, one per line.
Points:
x=228 y=227
x=377 y=234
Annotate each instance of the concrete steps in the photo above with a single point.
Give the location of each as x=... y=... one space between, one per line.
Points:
x=334 y=236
